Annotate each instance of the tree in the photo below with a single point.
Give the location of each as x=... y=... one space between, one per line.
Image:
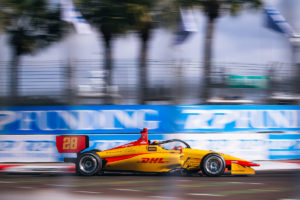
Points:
x=31 y=25
x=114 y=17
x=3 y=21
x=109 y=18
x=140 y=14
x=213 y=9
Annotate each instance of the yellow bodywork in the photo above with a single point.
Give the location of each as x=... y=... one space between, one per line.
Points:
x=143 y=158
x=241 y=170
x=153 y=158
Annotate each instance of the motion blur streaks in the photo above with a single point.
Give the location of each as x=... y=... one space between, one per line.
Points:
x=129 y=56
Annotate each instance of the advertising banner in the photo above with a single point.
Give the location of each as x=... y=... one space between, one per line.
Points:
x=42 y=148
x=28 y=148
x=158 y=119
x=85 y=119
x=284 y=146
x=195 y=119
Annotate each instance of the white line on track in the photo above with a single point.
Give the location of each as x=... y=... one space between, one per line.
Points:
x=245 y=183
x=23 y=187
x=124 y=189
x=57 y=185
x=288 y=199
x=6 y=182
x=160 y=197
x=204 y=194
x=88 y=192
x=236 y=182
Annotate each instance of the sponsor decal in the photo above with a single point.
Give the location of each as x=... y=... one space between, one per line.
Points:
x=6 y=145
x=119 y=158
x=153 y=160
x=152 y=148
x=38 y=145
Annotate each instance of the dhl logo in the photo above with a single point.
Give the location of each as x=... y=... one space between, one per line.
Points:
x=153 y=160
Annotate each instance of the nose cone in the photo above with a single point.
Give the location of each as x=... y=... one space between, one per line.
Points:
x=231 y=159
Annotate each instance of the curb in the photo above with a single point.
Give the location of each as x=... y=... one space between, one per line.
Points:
x=38 y=168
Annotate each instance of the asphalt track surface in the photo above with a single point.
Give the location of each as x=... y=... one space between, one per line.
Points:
x=282 y=185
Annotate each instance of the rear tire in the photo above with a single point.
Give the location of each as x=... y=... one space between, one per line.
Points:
x=88 y=164
x=213 y=164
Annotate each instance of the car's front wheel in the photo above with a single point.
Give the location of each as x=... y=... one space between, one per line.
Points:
x=88 y=164
x=213 y=164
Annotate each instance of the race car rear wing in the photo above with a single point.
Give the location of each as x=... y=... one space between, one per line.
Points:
x=71 y=143
x=78 y=143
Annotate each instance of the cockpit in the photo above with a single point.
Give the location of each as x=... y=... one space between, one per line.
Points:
x=173 y=144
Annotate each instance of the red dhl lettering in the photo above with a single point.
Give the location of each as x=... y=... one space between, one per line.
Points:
x=153 y=160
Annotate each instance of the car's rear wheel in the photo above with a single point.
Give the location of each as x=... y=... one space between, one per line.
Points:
x=213 y=164
x=88 y=164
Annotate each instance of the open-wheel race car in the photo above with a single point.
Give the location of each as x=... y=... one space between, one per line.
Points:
x=145 y=156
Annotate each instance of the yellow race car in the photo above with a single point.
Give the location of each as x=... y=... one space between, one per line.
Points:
x=172 y=156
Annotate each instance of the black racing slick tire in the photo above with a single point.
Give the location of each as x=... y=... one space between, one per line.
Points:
x=88 y=164
x=213 y=164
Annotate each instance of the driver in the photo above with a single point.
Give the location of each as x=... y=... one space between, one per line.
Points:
x=156 y=143
x=177 y=148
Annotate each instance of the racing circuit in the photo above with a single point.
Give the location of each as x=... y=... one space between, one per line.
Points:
x=276 y=184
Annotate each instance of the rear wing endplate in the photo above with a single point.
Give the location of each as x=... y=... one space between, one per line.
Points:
x=71 y=143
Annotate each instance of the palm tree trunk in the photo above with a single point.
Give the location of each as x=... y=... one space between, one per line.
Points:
x=143 y=84
x=296 y=62
x=14 y=78
x=143 y=73
x=108 y=62
x=69 y=80
x=209 y=34
x=108 y=70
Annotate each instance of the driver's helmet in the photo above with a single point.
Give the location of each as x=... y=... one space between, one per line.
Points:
x=177 y=148
x=155 y=142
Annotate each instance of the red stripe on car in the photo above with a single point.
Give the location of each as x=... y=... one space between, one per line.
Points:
x=242 y=162
x=118 y=158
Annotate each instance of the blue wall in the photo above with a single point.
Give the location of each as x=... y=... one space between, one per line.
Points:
x=158 y=119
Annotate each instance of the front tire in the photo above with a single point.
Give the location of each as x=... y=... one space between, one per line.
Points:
x=213 y=164
x=88 y=164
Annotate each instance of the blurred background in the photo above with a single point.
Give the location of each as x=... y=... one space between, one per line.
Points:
x=149 y=52
x=221 y=75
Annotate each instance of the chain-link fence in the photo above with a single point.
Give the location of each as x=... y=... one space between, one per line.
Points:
x=168 y=82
